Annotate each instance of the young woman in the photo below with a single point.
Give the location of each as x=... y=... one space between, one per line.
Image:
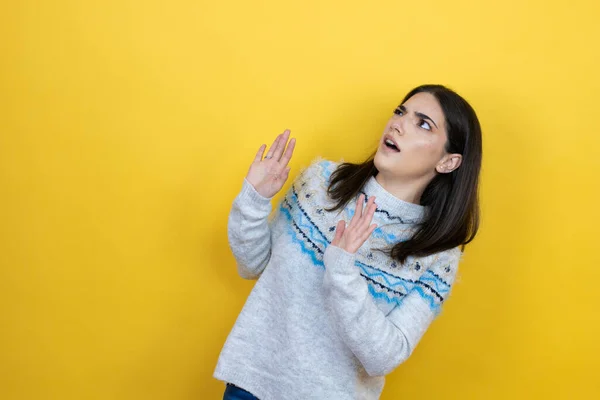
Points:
x=357 y=260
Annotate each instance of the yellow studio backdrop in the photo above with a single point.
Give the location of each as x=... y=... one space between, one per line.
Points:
x=126 y=128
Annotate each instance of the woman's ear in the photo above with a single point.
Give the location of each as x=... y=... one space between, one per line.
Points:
x=449 y=163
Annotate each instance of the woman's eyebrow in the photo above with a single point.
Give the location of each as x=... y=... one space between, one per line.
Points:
x=420 y=115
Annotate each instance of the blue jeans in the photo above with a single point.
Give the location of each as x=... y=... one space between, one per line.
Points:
x=233 y=392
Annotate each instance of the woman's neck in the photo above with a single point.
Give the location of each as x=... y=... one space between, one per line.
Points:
x=409 y=191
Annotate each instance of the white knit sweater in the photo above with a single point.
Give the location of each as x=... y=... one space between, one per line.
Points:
x=322 y=323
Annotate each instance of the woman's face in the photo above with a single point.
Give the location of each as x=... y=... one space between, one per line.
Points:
x=413 y=143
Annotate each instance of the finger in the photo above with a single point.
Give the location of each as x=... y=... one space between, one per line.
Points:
x=370 y=210
x=339 y=232
x=285 y=174
x=367 y=217
x=281 y=145
x=369 y=232
x=259 y=154
x=288 y=152
x=358 y=210
x=273 y=147
x=372 y=213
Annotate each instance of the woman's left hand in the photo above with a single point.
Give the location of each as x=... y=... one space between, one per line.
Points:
x=351 y=237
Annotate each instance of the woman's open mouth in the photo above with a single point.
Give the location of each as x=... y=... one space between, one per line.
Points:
x=390 y=145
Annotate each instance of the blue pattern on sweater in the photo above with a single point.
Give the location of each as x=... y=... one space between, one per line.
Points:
x=381 y=284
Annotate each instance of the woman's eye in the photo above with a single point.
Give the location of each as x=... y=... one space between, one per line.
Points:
x=397 y=111
x=427 y=126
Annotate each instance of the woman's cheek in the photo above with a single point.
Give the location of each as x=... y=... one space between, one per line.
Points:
x=432 y=147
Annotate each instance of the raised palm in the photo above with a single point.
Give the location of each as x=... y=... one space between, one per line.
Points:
x=268 y=175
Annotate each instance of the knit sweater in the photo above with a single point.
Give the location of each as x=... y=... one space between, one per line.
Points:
x=322 y=323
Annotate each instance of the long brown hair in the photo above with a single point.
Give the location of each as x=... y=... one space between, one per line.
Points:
x=452 y=217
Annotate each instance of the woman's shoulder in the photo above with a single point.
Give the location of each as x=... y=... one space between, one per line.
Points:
x=311 y=184
x=321 y=164
x=443 y=265
x=319 y=169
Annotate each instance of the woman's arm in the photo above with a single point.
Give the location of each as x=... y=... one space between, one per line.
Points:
x=248 y=227
x=248 y=231
x=380 y=342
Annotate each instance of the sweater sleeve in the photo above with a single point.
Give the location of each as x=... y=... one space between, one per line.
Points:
x=248 y=231
x=380 y=342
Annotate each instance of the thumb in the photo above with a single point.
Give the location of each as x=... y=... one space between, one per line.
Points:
x=286 y=173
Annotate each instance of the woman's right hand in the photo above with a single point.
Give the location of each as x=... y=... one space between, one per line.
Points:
x=268 y=175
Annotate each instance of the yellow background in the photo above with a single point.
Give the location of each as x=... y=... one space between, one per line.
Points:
x=126 y=128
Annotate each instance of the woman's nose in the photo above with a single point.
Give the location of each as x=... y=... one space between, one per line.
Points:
x=396 y=127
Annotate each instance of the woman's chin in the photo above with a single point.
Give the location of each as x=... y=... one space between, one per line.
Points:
x=383 y=161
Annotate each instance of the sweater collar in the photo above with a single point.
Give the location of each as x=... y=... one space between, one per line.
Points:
x=408 y=212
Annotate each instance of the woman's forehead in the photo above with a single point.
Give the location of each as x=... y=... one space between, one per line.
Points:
x=422 y=102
